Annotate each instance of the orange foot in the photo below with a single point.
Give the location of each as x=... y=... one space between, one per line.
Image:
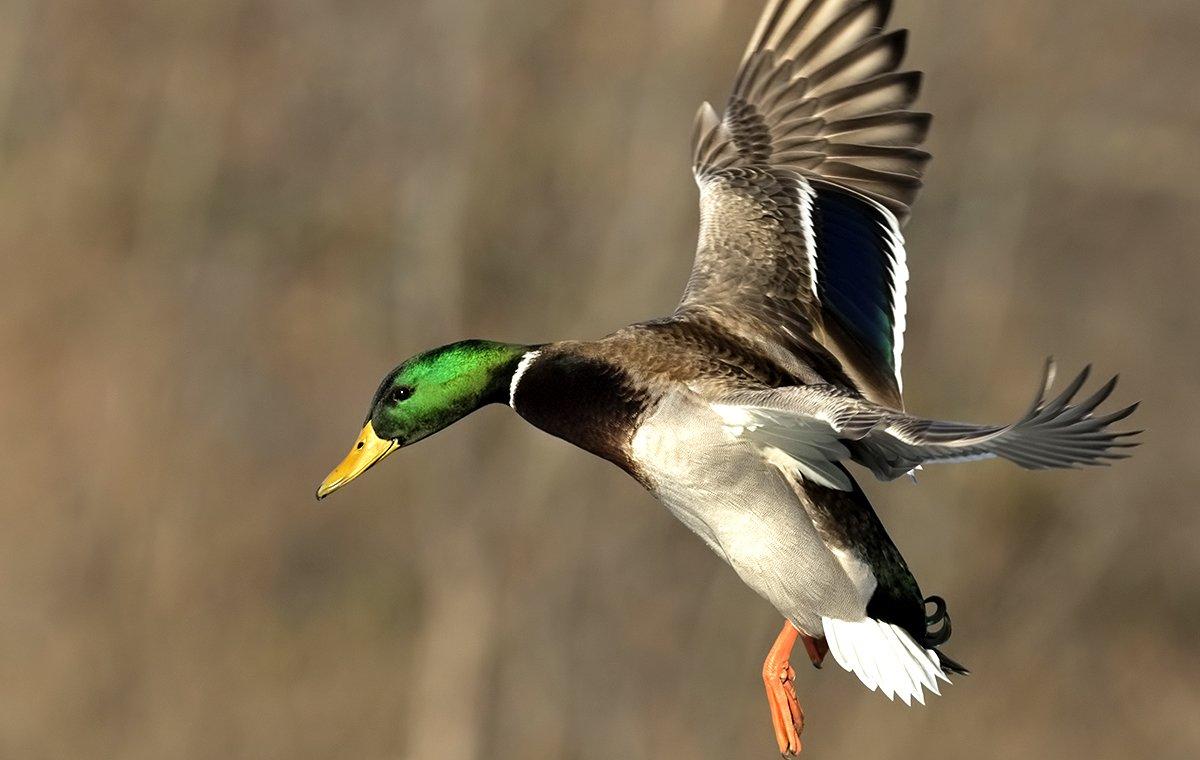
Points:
x=780 y=679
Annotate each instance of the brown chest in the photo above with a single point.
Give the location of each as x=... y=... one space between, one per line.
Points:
x=586 y=401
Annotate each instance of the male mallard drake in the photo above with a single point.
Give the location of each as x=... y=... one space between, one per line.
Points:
x=781 y=364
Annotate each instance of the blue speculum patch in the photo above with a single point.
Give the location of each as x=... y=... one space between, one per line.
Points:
x=854 y=270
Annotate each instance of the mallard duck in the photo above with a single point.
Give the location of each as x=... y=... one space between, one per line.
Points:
x=742 y=411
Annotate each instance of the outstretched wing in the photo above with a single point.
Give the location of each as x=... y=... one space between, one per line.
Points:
x=1052 y=434
x=804 y=182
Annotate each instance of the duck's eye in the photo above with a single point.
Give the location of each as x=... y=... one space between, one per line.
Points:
x=400 y=393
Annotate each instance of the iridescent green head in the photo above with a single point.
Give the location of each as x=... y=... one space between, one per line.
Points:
x=430 y=391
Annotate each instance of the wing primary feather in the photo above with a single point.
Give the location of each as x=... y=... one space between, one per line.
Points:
x=1067 y=393
x=795 y=32
x=874 y=56
x=769 y=19
x=902 y=129
x=885 y=92
x=839 y=37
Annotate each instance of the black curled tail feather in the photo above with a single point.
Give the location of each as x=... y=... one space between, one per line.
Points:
x=935 y=636
x=937 y=632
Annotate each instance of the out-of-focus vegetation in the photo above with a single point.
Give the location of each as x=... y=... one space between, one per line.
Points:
x=222 y=220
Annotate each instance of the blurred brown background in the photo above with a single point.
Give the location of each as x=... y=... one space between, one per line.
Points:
x=221 y=222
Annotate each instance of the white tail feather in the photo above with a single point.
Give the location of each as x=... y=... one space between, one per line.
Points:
x=884 y=656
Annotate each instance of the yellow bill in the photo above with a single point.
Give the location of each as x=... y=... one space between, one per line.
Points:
x=368 y=450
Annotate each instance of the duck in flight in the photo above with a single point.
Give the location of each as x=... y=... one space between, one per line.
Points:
x=742 y=410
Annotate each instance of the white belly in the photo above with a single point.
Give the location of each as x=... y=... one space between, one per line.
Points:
x=748 y=512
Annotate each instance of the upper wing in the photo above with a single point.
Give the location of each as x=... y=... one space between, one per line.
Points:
x=1052 y=433
x=804 y=182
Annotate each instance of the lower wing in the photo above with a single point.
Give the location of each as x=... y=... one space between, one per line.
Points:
x=818 y=424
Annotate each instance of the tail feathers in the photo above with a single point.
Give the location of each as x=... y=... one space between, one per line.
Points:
x=937 y=632
x=885 y=657
x=935 y=636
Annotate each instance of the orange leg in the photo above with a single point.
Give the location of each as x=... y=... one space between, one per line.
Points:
x=779 y=678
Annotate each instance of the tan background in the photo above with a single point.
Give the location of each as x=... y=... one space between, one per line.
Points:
x=222 y=220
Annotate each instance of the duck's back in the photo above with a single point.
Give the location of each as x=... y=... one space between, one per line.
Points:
x=595 y=394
